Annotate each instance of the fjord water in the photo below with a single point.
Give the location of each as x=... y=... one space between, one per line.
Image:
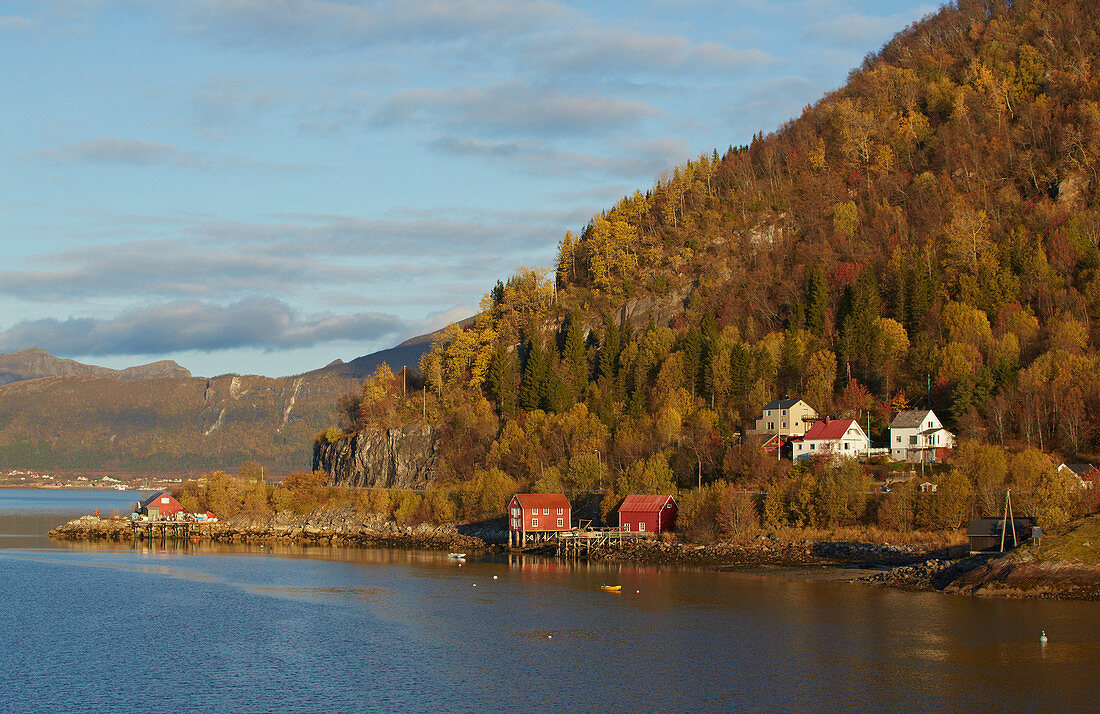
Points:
x=96 y=627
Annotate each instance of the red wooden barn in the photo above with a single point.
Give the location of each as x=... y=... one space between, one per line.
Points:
x=159 y=505
x=538 y=513
x=647 y=514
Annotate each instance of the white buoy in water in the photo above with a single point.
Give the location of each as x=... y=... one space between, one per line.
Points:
x=1043 y=637
x=549 y=637
x=494 y=577
x=475 y=585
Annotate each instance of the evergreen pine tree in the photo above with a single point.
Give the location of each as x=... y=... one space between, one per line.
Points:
x=609 y=350
x=817 y=301
x=574 y=357
x=532 y=387
x=501 y=380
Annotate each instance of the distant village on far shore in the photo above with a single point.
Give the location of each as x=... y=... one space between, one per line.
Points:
x=27 y=478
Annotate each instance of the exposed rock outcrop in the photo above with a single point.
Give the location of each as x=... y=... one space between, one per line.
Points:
x=403 y=457
x=1027 y=577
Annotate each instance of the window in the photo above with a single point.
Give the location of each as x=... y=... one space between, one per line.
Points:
x=164 y=500
x=813 y=446
x=899 y=438
x=769 y=412
x=561 y=511
x=771 y=425
x=534 y=523
x=546 y=511
x=626 y=528
x=561 y=523
x=847 y=446
x=783 y=413
x=534 y=511
x=784 y=425
x=641 y=527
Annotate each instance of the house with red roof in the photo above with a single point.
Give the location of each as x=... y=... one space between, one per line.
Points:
x=647 y=514
x=837 y=437
x=537 y=516
x=160 y=505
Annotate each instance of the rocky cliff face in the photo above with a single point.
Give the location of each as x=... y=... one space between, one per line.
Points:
x=402 y=457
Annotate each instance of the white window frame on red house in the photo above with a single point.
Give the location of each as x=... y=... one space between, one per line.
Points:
x=641 y=526
x=561 y=523
x=546 y=511
x=626 y=528
x=561 y=511
x=534 y=523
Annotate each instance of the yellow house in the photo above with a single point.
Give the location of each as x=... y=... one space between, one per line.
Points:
x=786 y=417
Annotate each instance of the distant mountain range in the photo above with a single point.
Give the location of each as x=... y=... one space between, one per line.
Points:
x=35 y=363
x=61 y=414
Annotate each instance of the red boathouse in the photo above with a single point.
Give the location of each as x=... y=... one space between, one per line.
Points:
x=537 y=515
x=647 y=514
x=160 y=505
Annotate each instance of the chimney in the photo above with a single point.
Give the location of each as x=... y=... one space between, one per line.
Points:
x=828 y=419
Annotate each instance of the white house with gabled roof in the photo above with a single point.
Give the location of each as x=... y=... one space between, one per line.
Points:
x=918 y=435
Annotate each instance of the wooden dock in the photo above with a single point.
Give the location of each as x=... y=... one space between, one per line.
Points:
x=582 y=541
x=165 y=529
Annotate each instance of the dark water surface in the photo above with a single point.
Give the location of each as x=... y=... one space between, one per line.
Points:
x=208 y=628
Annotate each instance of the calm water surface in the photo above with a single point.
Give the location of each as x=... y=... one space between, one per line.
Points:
x=209 y=628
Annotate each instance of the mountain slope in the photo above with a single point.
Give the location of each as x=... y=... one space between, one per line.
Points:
x=62 y=414
x=925 y=235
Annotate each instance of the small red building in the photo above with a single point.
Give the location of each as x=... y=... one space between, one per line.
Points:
x=160 y=505
x=647 y=514
x=538 y=513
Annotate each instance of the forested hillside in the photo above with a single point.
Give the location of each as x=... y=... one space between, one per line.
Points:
x=925 y=236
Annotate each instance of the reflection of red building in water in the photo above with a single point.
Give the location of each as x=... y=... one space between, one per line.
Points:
x=537 y=515
x=647 y=514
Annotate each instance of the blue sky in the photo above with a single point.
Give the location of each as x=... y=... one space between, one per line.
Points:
x=262 y=186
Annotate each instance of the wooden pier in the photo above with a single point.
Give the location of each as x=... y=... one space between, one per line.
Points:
x=582 y=541
x=165 y=529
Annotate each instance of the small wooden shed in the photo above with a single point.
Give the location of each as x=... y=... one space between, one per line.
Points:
x=647 y=514
x=985 y=534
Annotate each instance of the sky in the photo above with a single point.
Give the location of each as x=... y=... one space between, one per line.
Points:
x=264 y=186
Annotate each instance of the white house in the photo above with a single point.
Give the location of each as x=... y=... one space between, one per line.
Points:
x=843 y=437
x=918 y=435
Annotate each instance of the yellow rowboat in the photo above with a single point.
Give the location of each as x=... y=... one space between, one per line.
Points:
x=611 y=588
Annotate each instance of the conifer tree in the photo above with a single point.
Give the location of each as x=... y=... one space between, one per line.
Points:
x=817 y=301
x=574 y=357
x=609 y=350
x=502 y=380
x=532 y=387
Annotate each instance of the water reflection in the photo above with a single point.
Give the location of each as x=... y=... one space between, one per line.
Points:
x=320 y=628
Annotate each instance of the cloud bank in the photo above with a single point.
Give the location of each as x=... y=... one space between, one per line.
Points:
x=257 y=322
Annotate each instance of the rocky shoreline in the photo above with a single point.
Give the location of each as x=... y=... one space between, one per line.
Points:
x=342 y=527
x=904 y=567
